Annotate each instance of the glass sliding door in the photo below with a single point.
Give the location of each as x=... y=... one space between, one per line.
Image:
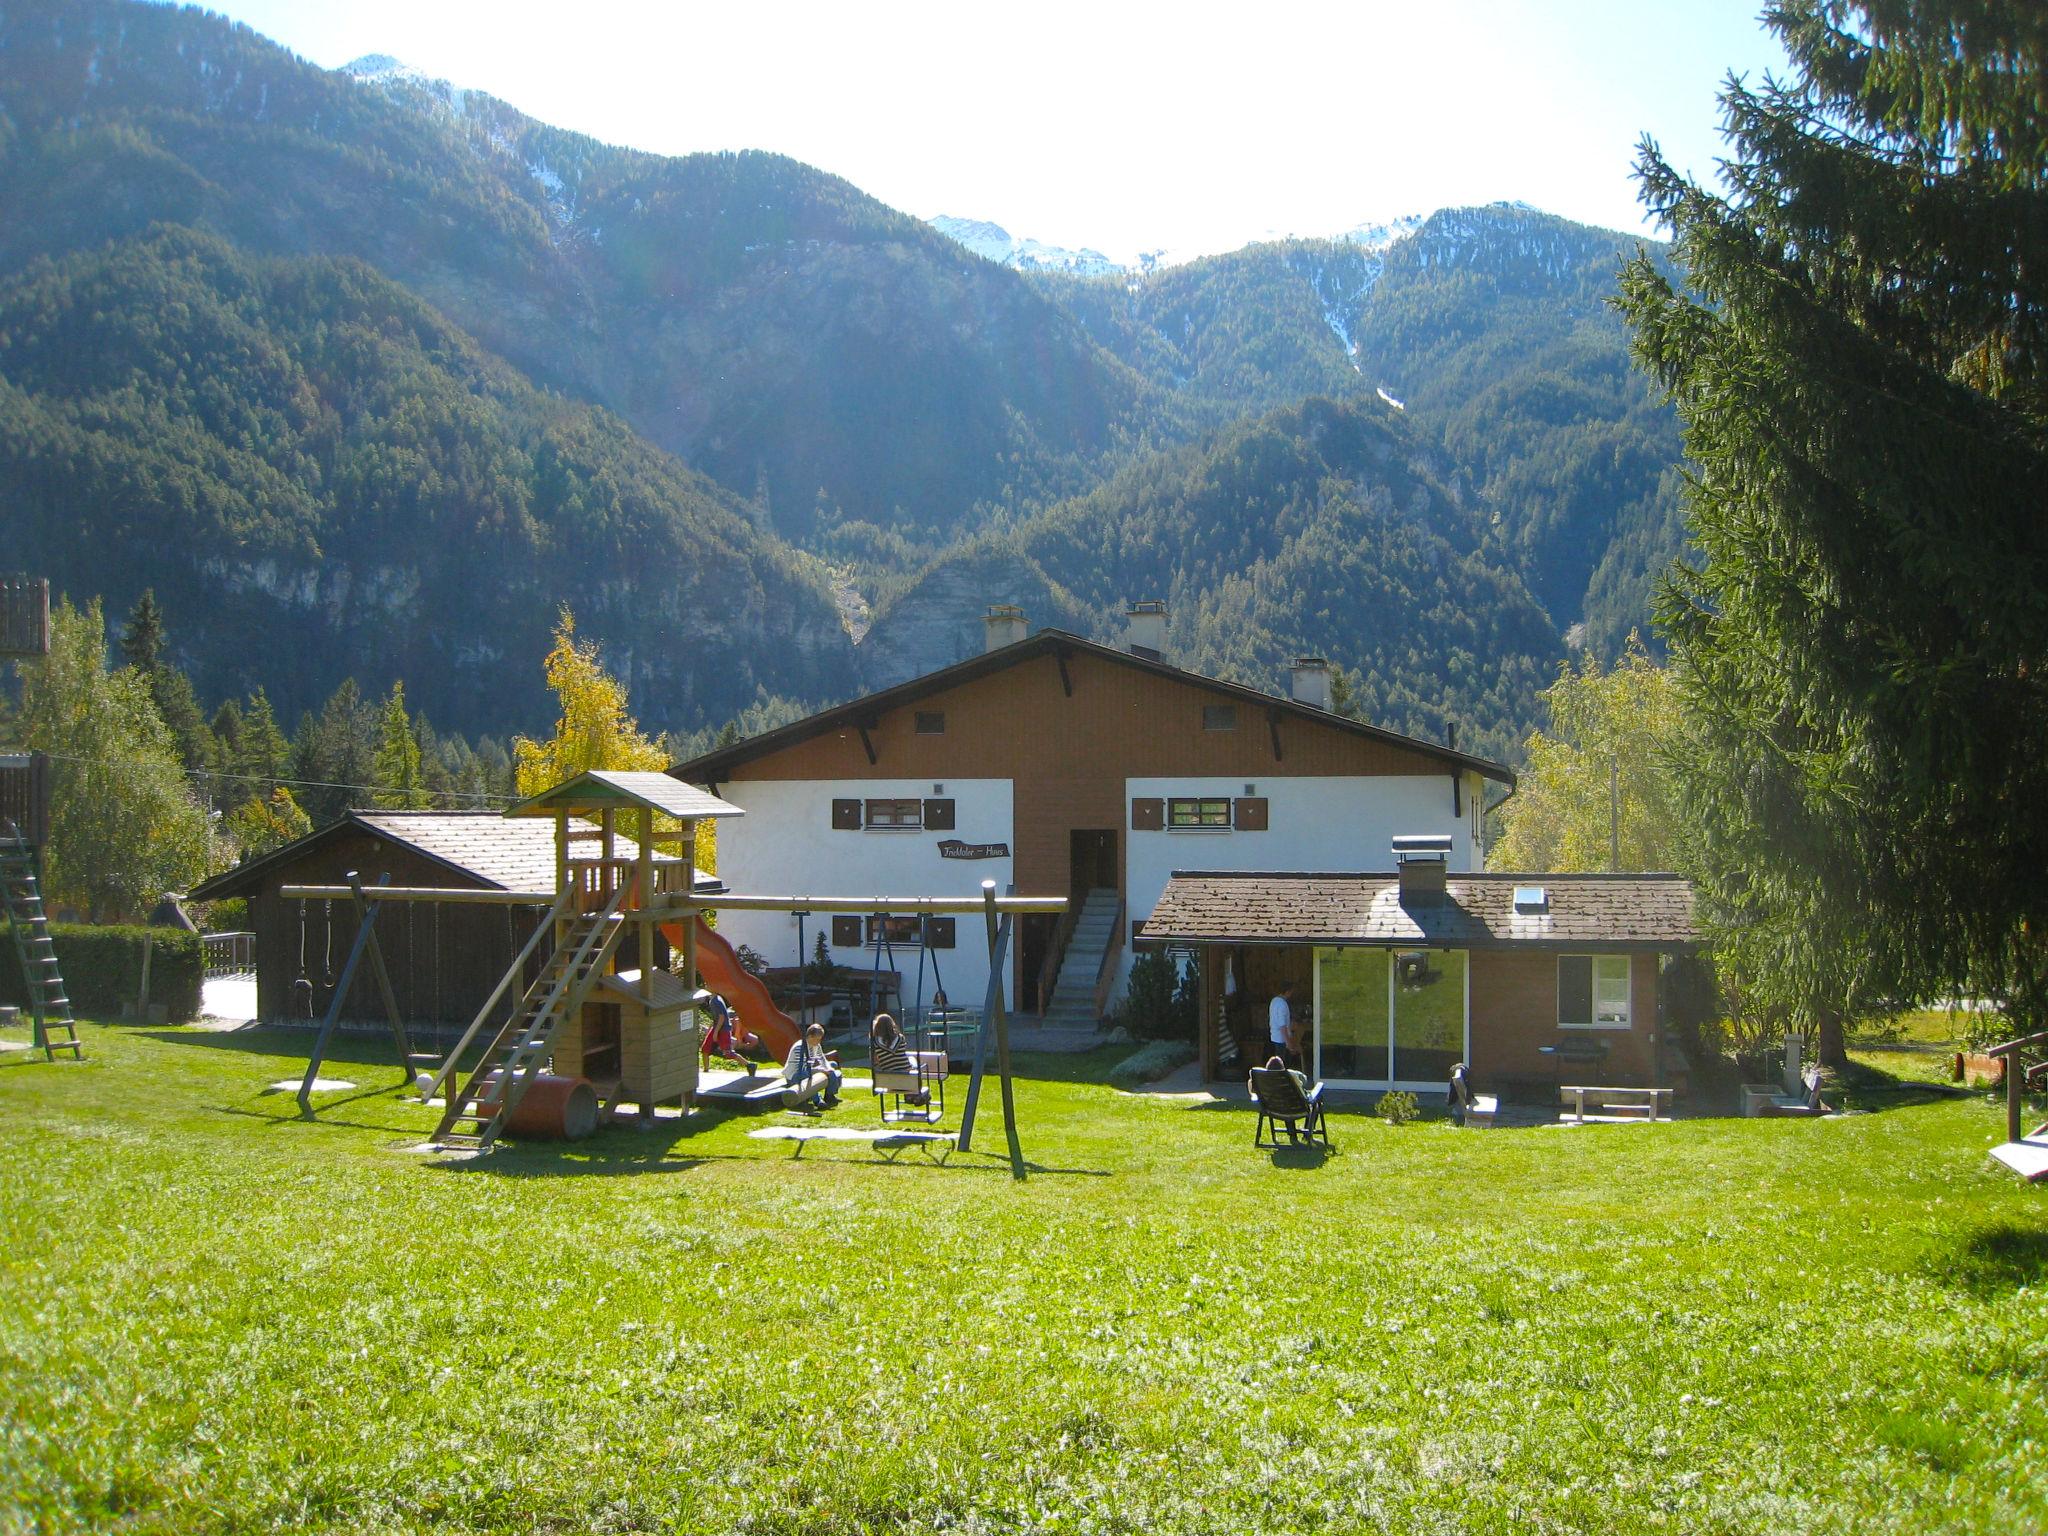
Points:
x=1429 y=1014
x=1351 y=1015
x=1390 y=1017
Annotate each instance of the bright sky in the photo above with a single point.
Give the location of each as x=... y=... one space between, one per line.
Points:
x=1122 y=127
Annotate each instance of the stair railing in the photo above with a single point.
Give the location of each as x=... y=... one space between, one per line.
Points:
x=1112 y=952
x=476 y=1025
x=1056 y=952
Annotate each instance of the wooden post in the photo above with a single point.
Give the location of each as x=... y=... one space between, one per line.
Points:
x=2015 y=1082
x=688 y=850
x=1002 y=1022
x=142 y=988
x=398 y=1035
x=561 y=875
x=647 y=903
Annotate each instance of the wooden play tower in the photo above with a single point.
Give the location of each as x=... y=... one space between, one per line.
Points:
x=620 y=1026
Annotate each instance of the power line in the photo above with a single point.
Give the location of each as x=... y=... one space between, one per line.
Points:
x=257 y=778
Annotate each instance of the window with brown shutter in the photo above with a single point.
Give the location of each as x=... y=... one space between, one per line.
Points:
x=845 y=815
x=1148 y=815
x=1251 y=814
x=845 y=934
x=895 y=815
x=938 y=932
x=938 y=815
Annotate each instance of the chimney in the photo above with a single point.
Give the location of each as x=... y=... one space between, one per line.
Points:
x=1147 y=633
x=1422 y=862
x=1310 y=680
x=1004 y=626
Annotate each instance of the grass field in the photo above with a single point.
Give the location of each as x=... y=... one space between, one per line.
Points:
x=219 y=1318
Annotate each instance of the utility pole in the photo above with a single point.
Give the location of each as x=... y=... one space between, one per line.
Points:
x=1614 y=814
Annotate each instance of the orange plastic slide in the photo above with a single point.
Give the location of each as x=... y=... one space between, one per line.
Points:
x=722 y=972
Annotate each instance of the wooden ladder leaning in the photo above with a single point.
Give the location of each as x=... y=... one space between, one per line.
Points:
x=478 y=1111
x=21 y=892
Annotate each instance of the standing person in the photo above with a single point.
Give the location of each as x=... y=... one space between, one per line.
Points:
x=810 y=1077
x=1280 y=1027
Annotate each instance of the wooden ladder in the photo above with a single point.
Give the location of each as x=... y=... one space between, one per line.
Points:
x=22 y=893
x=478 y=1111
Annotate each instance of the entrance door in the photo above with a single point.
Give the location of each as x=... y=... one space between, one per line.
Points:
x=1034 y=933
x=1092 y=858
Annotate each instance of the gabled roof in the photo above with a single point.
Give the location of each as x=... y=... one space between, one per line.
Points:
x=1478 y=911
x=480 y=848
x=595 y=788
x=715 y=767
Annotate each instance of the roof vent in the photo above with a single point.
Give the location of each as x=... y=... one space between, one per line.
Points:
x=1146 y=635
x=1004 y=626
x=1309 y=682
x=1423 y=862
x=1531 y=898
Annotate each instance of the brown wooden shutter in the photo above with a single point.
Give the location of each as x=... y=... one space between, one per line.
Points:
x=1148 y=815
x=845 y=934
x=845 y=815
x=938 y=815
x=938 y=932
x=1251 y=814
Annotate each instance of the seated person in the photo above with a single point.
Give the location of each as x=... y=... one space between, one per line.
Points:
x=726 y=1036
x=889 y=1052
x=1275 y=1064
x=810 y=1077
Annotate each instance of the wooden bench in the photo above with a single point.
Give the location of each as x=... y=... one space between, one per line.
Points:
x=1594 y=1105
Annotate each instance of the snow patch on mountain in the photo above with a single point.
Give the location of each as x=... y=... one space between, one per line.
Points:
x=388 y=73
x=993 y=243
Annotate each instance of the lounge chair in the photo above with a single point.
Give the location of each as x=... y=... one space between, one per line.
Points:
x=1283 y=1104
x=1467 y=1107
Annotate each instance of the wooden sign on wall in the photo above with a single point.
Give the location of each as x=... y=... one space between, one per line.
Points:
x=24 y=616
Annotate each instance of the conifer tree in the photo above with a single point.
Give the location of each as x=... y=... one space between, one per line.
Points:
x=401 y=784
x=262 y=751
x=1861 y=363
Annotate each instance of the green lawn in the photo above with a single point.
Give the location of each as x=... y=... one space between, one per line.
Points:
x=219 y=1318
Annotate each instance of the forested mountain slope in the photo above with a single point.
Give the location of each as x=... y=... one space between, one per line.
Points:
x=321 y=477
x=366 y=374
x=1319 y=528
x=787 y=334
x=1491 y=327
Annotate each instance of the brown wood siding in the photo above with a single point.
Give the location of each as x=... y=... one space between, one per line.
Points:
x=1068 y=758
x=1514 y=1011
x=444 y=958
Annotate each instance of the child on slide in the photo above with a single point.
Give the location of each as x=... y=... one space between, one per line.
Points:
x=725 y=1039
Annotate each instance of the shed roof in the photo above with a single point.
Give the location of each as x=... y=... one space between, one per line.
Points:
x=596 y=788
x=1478 y=911
x=716 y=767
x=479 y=848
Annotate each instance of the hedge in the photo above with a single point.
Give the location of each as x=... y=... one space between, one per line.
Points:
x=102 y=968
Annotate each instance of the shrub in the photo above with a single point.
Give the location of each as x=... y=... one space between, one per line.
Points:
x=1397 y=1108
x=1159 y=1003
x=1151 y=1062
x=102 y=969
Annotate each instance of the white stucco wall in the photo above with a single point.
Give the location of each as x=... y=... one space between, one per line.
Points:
x=1313 y=824
x=786 y=845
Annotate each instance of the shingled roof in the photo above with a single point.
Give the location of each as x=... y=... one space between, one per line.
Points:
x=481 y=848
x=716 y=767
x=1478 y=912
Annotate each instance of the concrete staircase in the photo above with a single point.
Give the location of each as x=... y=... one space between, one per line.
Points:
x=1072 y=1005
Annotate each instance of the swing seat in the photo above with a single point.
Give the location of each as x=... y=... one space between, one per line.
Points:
x=928 y=1068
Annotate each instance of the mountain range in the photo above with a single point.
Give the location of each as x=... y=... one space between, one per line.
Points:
x=367 y=374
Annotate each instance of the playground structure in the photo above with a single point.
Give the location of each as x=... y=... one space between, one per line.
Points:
x=599 y=1007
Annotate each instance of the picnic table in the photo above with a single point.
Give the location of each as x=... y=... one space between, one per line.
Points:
x=1576 y=1052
